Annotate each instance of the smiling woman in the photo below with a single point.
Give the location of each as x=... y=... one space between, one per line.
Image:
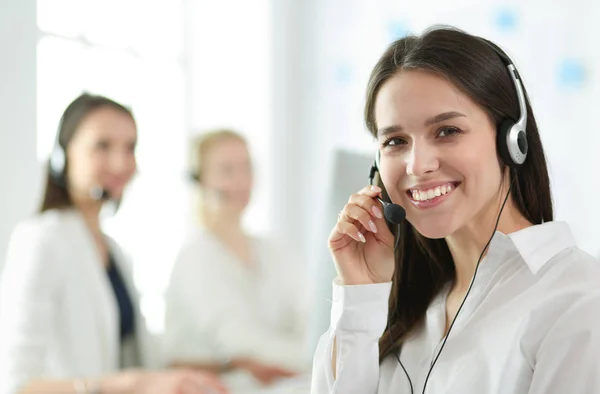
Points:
x=424 y=151
x=460 y=150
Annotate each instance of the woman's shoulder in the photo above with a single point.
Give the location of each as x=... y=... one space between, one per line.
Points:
x=197 y=239
x=572 y=269
x=551 y=252
x=37 y=249
x=198 y=247
x=48 y=226
x=567 y=277
x=555 y=273
x=567 y=297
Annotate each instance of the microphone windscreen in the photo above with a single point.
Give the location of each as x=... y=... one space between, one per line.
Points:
x=99 y=193
x=394 y=213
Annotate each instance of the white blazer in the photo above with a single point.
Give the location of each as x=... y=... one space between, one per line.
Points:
x=59 y=318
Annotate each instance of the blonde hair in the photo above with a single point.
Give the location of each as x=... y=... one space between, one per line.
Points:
x=203 y=143
x=200 y=147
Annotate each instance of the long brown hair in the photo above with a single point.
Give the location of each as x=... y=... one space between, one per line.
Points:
x=56 y=193
x=424 y=266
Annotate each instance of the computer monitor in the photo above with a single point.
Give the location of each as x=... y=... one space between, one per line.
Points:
x=348 y=174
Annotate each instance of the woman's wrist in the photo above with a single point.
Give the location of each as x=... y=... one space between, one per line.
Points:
x=87 y=386
x=120 y=383
x=238 y=363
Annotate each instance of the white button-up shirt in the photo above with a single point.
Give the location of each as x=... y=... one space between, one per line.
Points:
x=531 y=324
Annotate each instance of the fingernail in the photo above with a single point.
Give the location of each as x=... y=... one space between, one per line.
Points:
x=375 y=189
x=372 y=225
x=362 y=238
x=377 y=212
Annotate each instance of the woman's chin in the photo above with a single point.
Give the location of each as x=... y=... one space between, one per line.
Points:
x=116 y=193
x=432 y=230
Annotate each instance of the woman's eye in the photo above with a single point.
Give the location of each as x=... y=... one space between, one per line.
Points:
x=102 y=145
x=393 y=141
x=448 y=131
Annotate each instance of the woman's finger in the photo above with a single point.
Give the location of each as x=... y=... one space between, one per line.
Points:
x=359 y=214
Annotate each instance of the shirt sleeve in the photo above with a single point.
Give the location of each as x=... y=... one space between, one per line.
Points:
x=27 y=307
x=358 y=319
x=568 y=359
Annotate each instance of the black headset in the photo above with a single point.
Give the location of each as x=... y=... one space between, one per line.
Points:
x=511 y=142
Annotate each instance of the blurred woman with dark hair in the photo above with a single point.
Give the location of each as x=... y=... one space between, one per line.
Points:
x=70 y=321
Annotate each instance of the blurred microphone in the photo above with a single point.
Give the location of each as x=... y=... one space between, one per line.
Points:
x=98 y=193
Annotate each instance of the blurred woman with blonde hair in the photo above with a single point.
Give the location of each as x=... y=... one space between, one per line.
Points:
x=234 y=303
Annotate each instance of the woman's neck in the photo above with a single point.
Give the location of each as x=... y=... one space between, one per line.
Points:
x=90 y=211
x=222 y=223
x=228 y=229
x=468 y=243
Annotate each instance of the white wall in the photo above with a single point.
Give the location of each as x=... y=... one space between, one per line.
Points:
x=19 y=168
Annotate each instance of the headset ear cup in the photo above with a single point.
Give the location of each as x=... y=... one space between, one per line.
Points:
x=502 y=142
x=57 y=164
x=193 y=176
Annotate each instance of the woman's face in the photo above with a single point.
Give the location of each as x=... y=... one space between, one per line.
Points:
x=227 y=174
x=102 y=153
x=438 y=152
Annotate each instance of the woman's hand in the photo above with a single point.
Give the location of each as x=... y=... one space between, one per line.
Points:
x=264 y=373
x=361 y=244
x=175 y=381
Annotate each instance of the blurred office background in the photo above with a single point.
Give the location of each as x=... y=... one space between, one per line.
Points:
x=288 y=74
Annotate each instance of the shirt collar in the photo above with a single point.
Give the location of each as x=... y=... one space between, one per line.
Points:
x=539 y=243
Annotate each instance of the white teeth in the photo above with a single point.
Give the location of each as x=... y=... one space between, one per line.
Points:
x=424 y=195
